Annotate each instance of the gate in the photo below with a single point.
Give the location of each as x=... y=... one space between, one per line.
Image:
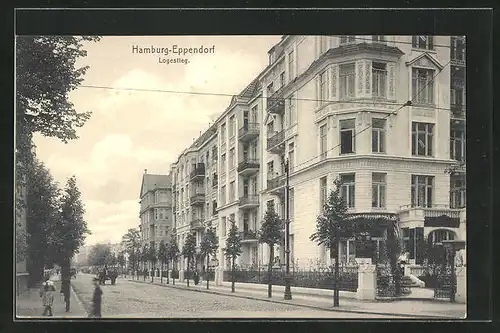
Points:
x=444 y=286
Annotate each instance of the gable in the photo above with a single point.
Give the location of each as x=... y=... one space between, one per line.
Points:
x=425 y=60
x=143 y=188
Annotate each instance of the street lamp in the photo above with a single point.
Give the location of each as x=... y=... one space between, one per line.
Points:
x=288 y=278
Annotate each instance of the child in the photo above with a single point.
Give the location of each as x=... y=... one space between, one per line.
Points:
x=47 y=300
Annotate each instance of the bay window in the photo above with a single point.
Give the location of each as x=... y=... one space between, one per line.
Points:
x=347 y=136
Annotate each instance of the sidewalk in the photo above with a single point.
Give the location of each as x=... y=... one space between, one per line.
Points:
x=29 y=304
x=403 y=308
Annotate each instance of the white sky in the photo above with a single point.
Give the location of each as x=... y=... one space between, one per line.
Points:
x=132 y=131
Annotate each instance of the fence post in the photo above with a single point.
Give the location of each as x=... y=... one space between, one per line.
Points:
x=219 y=271
x=461 y=295
x=367 y=282
x=181 y=275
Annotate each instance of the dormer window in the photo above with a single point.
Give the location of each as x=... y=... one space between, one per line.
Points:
x=423 y=42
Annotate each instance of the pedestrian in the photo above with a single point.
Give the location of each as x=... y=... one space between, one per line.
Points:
x=65 y=291
x=47 y=300
x=96 y=300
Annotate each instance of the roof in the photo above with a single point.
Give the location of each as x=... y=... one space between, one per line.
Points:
x=151 y=182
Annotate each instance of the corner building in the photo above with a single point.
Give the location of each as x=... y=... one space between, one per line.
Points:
x=333 y=107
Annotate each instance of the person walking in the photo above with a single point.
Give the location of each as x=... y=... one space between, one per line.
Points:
x=47 y=300
x=96 y=300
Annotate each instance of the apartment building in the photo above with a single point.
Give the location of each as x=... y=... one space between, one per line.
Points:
x=334 y=107
x=156 y=208
x=195 y=182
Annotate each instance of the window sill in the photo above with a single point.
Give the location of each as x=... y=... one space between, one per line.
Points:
x=423 y=156
x=379 y=152
x=347 y=154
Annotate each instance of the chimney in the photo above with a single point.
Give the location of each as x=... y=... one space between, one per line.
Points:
x=145 y=171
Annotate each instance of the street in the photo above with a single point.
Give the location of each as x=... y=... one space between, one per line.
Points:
x=138 y=300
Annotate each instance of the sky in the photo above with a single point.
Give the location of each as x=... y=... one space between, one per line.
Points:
x=130 y=131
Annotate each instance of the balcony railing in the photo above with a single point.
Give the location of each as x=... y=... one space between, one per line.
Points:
x=430 y=214
x=248 y=165
x=248 y=132
x=457 y=110
x=276 y=182
x=197 y=198
x=249 y=235
x=275 y=142
x=199 y=171
x=249 y=200
x=276 y=102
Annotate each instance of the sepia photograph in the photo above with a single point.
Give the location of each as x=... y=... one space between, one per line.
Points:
x=240 y=176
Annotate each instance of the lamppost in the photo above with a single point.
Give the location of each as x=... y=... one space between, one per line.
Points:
x=288 y=278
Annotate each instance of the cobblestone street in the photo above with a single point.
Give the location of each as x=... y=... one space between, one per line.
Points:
x=131 y=299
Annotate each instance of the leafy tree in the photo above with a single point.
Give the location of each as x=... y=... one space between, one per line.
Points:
x=173 y=254
x=71 y=228
x=270 y=233
x=331 y=226
x=208 y=247
x=233 y=248
x=132 y=243
x=42 y=216
x=163 y=258
x=189 y=251
x=99 y=255
x=153 y=258
x=121 y=260
x=113 y=260
x=145 y=259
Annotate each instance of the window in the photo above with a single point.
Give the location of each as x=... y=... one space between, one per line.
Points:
x=379 y=80
x=456 y=97
x=423 y=85
x=346 y=78
x=347 y=39
x=323 y=193
x=422 y=139
x=323 y=143
x=378 y=190
x=291 y=65
x=270 y=129
x=223 y=195
x=231 y=158
x=378 y=39
x=292 y=109
x=270 y=89
x=421 y=191
x=231 y=126
x=231 y=191
x=232 y=218
x=214 y=153
x=254 y=114
x=457 y=191
x=457 y=144
x=347 y=138
x=348 y=188
x=291 y=156
x=292 y=204
x=223 y=226
x=458 y=48
x=223 y=163
x=223 y=133
x=378 y=135
x=282 y=79
x=322 y=92
x=423 y=42
x=270 y=170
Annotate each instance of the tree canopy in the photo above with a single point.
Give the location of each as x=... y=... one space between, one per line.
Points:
x=189 y=248
x=100 y=255
x=233 y=242
x=173 y=249
x=209 y=243
x=271 y=227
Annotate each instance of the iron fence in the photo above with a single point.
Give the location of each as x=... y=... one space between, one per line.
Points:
x=348 y=277
x=391 y=283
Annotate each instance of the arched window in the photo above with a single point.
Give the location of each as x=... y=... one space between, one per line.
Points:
x=440 y=235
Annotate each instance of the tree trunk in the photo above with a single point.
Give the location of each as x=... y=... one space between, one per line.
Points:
x=336 y=274
x=161 y=272
x=187 y=272
x=153 y=271
x=232 y=276
x=173 y=275
x=206 y=270
x=168 y=267
x=270 y=272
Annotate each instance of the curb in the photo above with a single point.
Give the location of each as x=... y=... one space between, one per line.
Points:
x=79 y=300
x=299 y=305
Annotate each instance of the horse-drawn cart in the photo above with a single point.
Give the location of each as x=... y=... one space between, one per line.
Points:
x=107 y=274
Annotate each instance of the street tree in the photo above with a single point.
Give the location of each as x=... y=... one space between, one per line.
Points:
x=42 y=217
x=162 y=257
x=121 y=261
x=145 y=259
x=189 y=251
x=70 y=229
x=271 y=234
x=99 y=255
x=173 y=255
x=113 y=260
x=233 y=248
x=208 y=247
x=132 y=243
x=153 y=258
x=331 y=226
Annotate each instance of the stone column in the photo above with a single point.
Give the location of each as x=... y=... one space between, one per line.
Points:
x=367 y=282
x=461 y=295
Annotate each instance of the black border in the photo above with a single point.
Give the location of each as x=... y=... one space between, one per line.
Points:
x=475 y=24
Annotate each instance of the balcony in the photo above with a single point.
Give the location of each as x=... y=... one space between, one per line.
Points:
x=248 y=167
x=215 y=180
x=457 y=111
x=438 y=216
x=276 y=185
x=276 y=143
x=249 y=201
x=249 y=236
x=197 y=199
x=198 y=172
x=276 y=102
x=197 y=223
x=248 y=132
